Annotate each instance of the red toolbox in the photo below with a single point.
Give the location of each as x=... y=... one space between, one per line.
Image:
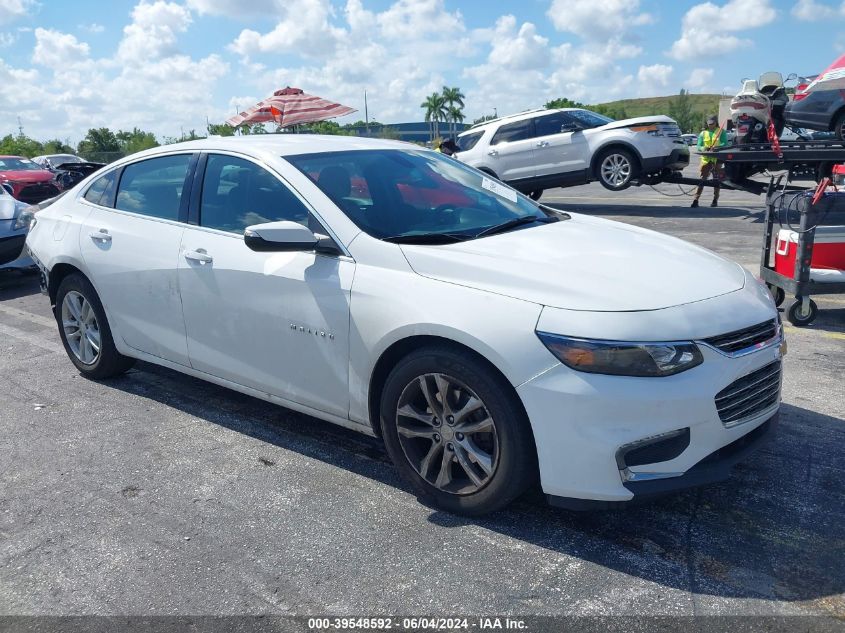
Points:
x=828 y=250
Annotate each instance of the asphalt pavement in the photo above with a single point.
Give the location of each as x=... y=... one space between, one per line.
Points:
x=156 y=493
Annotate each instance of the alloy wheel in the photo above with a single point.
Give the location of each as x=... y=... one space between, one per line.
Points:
x=81 y=329
x=447 y=434
x=616 y=169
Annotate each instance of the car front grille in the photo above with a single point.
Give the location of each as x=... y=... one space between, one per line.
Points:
x=733 y=342
x=33 y=194
x=750 y=395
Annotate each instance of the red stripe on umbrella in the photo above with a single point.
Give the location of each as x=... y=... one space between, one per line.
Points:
x=290 y=106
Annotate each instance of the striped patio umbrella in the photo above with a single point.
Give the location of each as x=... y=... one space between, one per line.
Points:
x=290 y=106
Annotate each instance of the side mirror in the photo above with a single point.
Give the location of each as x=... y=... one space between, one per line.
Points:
x=286 y=236
x=282 y=236
x=569 y=127
x=791 y=76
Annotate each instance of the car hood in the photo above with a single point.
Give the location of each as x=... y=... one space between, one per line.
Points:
x=640 y=120
x=582 y=264
x=28 y=175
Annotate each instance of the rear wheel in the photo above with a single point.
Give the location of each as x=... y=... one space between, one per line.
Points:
x=456 y=432
x=616 y=168
x=839 y=127
x=85 y=331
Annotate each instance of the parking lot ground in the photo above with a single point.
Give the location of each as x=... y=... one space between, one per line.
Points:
x=156 y=493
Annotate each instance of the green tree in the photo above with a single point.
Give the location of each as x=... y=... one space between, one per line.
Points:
x=680 y=109
x=454 y=106
x=135 y=141
x=56 y=146
x=20 y=145
x=220 y=129
x=563 y=102
x=435 y=111
x=327 y=127
x=99 y=145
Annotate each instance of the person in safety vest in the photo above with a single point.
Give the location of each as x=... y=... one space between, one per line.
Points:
x=712 y=137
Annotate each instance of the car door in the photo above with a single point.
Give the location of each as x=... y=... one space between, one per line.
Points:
x=560 y=146
x=511 y=151
x=275 y=322
x=130 y=244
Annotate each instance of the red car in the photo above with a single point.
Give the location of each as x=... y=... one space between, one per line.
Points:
x=25 y=180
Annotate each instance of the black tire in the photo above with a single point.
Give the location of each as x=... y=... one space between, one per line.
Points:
x=536 y=194
x=778 y=294
x=515 y=465
x=799 y=319
x=629 y=165
x=839 y=127
x=109 y=362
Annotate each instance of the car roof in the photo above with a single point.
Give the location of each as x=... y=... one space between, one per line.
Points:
x=519 y=116
x=13 y=156
x=283 y=144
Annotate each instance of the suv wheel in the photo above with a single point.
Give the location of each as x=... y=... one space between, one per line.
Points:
x=456 y=432
x=839 y=128
x=616 y=168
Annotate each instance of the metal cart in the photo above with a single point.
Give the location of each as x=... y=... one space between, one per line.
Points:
x=829 y=210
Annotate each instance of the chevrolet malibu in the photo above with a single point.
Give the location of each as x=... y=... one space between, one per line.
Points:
x=493 y=343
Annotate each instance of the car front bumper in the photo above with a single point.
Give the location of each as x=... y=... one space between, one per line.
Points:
x=583 y=422
x=11 y=249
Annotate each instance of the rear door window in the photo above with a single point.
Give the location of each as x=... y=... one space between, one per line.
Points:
x=551 y=123
x=517 y=131
x=154 y=187
x=101 y=190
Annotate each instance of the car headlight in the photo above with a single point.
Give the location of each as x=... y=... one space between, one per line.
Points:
x=26 y=219
x=621 y=358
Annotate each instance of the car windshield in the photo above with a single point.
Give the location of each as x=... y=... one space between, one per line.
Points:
x=18 y=164
x=408 y=195
x=589 y=119
x=61 y=159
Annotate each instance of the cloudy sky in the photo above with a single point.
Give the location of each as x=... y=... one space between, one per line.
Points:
x=167 y=65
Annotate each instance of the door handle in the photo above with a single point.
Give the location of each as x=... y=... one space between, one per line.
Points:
x=542 y=144
x=200 y=256
x=493 y=152
x=100 y=236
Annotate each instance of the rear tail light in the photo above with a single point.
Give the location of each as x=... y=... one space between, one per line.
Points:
x=798 y=96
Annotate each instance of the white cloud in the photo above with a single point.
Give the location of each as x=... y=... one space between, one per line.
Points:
x=153 y=31
x=518 y=50
x=699 y=78
x=11 y=10
x=418 y=19
x=654 y=79
x=597 y=19
x=706 y=28
x=236 y=8
x=812 y=11
x=92 y=28
x=56 y=50
x=304 y=28
x=7 y=39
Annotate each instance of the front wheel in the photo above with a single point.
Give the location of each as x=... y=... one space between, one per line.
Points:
x=616 y=168
x=85 y=331
x=456 y=432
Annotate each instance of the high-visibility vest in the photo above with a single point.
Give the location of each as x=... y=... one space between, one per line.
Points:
x=708 y=140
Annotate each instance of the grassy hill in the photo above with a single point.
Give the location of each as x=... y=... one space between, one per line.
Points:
x=705 y=104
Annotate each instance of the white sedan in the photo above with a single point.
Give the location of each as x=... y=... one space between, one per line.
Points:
x=492 y=342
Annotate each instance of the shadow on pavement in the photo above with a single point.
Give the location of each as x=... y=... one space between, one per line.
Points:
x=774 y=531
x=15 y=283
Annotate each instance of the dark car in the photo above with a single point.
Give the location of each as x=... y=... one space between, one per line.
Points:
x=819 y=102
x=27 y=180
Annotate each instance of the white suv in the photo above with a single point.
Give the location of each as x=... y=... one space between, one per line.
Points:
x=541 y=149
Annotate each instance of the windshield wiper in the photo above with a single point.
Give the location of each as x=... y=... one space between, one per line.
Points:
x=427 y=238
x=513 y=223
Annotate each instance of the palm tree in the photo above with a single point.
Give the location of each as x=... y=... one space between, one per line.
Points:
x=435 y=111
x=453 y=97
x=456 y=115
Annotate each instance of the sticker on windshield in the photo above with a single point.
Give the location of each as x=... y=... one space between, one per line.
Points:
x=498 y=188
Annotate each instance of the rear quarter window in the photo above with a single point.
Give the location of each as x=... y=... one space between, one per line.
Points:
x=102 y=190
